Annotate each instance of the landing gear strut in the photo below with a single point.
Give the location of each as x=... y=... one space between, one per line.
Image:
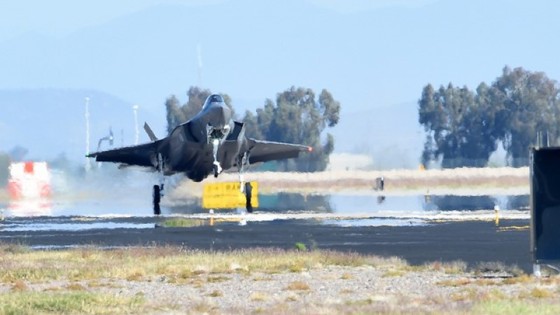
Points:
x=158 y=189
x=216 y=167
x=246 y=188
x=157 y=198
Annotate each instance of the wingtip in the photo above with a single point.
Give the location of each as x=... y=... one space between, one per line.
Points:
x=309 y=149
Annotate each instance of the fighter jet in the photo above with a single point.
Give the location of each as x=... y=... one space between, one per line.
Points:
x=207 y=144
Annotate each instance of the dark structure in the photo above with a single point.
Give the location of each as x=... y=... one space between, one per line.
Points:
x=545 y=207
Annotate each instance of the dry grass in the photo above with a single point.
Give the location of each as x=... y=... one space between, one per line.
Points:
x=139 y=264
x=298 y=286
x=76 y=287
x=394 y=273
x=454 y=267
x=67 y=282
x=68 y=303
x=19 y=286
x=515 y=307
x=216 y=293
x=346 y=276
x=455 y=282
x=541 y=293
x=259 y=296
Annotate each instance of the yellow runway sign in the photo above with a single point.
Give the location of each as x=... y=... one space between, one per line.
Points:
x=227 y=195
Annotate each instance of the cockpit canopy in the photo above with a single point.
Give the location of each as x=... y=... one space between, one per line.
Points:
x=214 y=98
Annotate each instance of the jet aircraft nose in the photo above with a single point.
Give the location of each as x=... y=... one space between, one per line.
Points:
x=220 y=116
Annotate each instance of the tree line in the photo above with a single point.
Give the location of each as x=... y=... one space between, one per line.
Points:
x=296 y=116
x=464 y=127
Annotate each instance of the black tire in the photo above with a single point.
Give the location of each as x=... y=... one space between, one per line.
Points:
x=157 y=198
x=215 y=169
x=248 y=189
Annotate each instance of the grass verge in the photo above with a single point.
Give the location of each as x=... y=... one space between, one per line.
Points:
x=65 y=282
x=67 y=303
x=138 y=264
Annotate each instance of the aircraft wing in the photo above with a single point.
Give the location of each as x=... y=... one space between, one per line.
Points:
x=140 y=155
x=263 y=151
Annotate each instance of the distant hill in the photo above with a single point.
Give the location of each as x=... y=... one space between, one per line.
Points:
x=50 y=122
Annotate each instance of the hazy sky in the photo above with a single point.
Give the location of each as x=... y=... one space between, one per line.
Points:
x=369 y=54
x=62 y=17
x=387 y=49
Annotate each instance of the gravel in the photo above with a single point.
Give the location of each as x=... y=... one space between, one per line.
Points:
x=322 y=290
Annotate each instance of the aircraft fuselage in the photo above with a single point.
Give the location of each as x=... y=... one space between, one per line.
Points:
x=190 y=146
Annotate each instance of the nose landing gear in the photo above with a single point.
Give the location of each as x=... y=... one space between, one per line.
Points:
x=216 y=167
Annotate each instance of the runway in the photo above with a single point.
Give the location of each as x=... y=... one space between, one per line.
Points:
x=412 y=227
x=470 y=241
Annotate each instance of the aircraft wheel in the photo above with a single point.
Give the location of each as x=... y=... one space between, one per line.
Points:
x=157 y=198
x=248 y=189
x=215 y=168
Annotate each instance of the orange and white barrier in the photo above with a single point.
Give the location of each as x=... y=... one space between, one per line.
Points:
x=29 y=180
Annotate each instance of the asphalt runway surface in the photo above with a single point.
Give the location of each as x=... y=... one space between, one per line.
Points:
x=473 y=242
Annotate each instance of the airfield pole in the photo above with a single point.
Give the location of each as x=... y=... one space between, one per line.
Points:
x=137 y=133
x=87 y=165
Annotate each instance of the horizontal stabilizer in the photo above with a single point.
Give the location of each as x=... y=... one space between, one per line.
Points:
x=150 y=132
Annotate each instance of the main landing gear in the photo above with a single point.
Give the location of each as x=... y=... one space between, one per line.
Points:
x=158 y=189
x=247 y=191
x=157 y=198
x=245 y=188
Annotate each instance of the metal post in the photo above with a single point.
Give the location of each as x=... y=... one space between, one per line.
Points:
x=137 y=133
x=87 y=164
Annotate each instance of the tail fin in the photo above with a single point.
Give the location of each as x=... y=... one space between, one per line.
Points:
x=149 y=131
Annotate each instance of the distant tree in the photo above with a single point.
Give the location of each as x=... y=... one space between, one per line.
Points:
x=175 y=115
x=464 y=127
x=18 y=153
x=458 y=131
x=330 y=108
x=60 y=162
x=196 y=98
x=252 y=125
x=297 y=117
x=431 y=117
x=5 y=162
x=528 y=103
